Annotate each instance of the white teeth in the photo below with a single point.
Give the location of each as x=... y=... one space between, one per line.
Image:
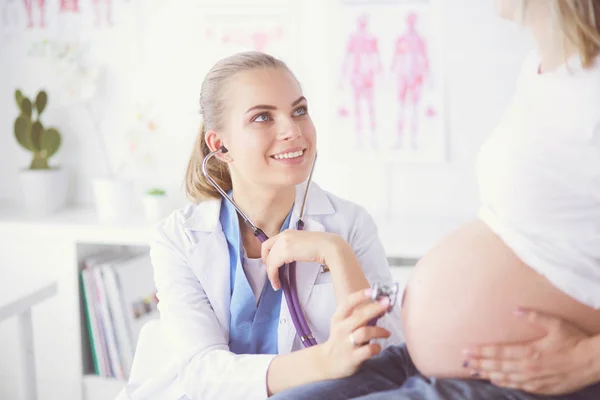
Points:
x=288 y=155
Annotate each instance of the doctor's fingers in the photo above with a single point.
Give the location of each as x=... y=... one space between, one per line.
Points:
x=365 y=334
x=353 y=301
x=265 y=251
x=362 y=315
x=363 y=353
x=273 y=275
x=268 y=245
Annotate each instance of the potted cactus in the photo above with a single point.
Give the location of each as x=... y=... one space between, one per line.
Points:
x=44 y=187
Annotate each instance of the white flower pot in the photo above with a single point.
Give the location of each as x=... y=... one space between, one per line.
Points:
x=44 y=190
x=115 y=200
x=156 y=207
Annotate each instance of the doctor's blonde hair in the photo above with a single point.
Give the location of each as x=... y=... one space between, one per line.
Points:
x=579 y=23
x=212 y=107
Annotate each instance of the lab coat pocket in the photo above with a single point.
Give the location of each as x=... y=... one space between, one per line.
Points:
x=321 y=306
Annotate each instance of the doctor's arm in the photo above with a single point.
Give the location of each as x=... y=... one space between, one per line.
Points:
x=354 y=264
x=366 y=244
x=207 y=368
x=325 y=248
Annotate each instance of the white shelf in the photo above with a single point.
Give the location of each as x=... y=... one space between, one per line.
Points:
x=80 y=224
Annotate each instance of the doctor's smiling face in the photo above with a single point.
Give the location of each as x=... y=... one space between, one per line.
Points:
x=265 y=125
x=267 y=128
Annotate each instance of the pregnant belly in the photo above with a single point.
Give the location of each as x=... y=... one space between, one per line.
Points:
x=464 y=292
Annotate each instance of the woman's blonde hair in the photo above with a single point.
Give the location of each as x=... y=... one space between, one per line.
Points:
x=212 y=107
x=579 y=22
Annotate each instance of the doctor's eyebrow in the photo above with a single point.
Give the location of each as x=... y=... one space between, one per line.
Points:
x=269 y=107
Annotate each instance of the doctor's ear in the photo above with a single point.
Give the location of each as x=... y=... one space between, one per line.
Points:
x=214 y=142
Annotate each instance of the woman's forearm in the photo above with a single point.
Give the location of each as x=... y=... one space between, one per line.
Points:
x=346 y=272
x=295 y=369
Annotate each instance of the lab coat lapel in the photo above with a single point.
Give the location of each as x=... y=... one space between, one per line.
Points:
x=210 y=259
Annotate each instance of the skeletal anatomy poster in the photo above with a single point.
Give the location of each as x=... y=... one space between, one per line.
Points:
x=387 y=80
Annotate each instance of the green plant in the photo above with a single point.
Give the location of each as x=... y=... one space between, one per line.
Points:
x=156 y=192
x=30 y=132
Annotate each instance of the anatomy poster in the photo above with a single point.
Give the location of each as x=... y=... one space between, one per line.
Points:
x=58 y=18
x=270 y=30
x=387 y=76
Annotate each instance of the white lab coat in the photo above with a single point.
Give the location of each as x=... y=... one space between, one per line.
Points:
x=191 y=266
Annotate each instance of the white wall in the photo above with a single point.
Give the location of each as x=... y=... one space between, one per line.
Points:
x=482 y=56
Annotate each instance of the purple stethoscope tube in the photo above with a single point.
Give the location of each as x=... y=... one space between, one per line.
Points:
x=291 y=293
x=287 y=274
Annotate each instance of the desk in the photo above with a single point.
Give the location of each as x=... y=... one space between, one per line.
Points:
x=16 y=300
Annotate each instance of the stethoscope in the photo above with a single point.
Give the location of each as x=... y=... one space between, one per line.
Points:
x=287 y=274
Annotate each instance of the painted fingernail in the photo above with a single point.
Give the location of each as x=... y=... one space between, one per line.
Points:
x=368 y=292
x=465 y=363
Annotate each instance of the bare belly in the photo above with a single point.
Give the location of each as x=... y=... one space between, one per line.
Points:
x=464 y=292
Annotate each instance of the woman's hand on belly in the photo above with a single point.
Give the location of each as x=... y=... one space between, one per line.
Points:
x=565 y=360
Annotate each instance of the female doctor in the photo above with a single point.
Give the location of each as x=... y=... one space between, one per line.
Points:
x=230 y=330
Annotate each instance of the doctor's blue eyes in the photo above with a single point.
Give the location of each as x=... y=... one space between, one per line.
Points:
x=266 y=116
x=300 y=111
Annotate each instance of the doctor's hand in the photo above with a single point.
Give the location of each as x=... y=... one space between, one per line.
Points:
x=292 y=245
x=562 y=361
x=349 y=344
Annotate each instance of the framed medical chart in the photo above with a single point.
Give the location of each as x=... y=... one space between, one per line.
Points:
x=387 y=81
x=269 y=28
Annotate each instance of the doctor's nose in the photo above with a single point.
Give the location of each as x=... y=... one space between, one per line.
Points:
x=289 y=131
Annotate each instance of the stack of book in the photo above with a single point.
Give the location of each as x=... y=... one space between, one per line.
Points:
x=120 y=297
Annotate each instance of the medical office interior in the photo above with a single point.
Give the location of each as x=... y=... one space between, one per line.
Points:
x=115 y=86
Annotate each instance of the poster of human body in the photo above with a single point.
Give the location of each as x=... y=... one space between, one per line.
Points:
x=388 y=77
x=268 y=29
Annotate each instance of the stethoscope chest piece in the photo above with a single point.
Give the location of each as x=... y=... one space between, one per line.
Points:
x=381 y=290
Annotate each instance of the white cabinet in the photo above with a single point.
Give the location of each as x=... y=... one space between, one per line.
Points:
x=52 y=250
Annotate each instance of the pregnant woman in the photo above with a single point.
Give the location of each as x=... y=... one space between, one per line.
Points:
x=535 y=245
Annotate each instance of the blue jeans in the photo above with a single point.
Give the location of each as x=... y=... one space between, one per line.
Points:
x=392 y=375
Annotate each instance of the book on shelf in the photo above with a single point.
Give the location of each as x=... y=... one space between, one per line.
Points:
x=120 y=297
